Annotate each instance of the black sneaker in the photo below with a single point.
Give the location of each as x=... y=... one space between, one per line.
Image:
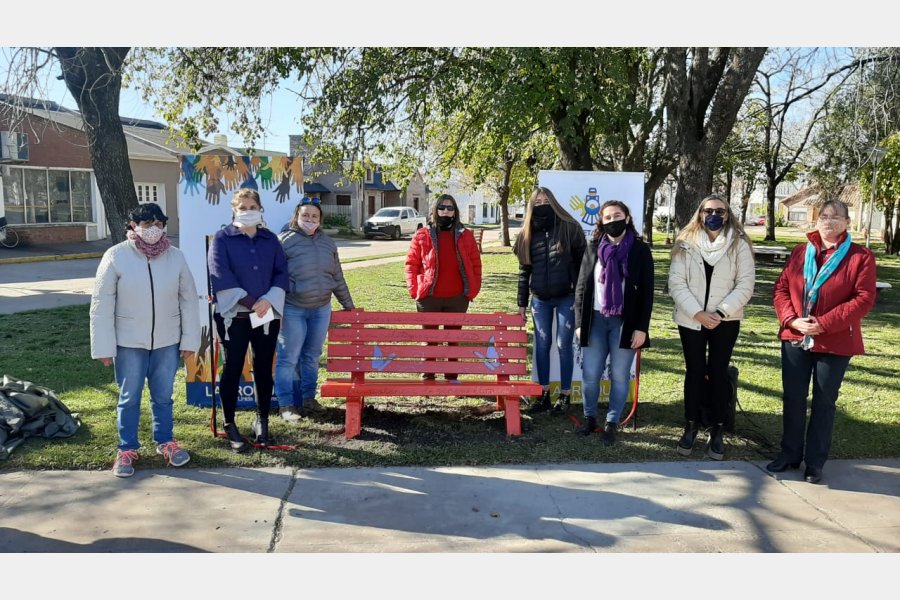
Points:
x=609 y=434
x=588 y=427
x=686 y=443
x=715 y=448
x=562 y=404
x=542 y=405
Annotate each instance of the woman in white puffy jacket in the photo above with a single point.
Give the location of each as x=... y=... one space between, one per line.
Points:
x=711 y=278
x=145 y=317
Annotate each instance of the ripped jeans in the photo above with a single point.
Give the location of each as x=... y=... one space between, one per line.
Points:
x=544 y=312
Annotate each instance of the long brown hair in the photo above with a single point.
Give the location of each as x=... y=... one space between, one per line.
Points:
x=434 y=211
x=569 y=227
x=696 y=225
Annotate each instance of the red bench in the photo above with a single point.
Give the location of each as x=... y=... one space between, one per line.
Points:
x=385 y=354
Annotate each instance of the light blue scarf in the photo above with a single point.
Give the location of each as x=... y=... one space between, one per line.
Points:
x=814 y=277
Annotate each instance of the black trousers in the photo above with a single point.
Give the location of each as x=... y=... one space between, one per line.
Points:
x=240 y=336
x=706 y=356
x=457 y=304
x=827 y=373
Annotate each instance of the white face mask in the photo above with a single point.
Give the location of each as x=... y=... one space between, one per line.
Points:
x=308 y=227
x=247 y=218
x=150 y=235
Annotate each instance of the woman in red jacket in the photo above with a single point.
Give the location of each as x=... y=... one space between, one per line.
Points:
x=826 y=288
x=443 y=265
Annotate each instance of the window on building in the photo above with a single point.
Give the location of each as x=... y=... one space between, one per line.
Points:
x=343 y=200
x=370 y=176
x=797 y=215
x=484 y=211
x=147 y=192
x=35 y=195
x=36 y=199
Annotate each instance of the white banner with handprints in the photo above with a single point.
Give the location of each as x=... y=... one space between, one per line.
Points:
x=582 y=193
x=206 y=185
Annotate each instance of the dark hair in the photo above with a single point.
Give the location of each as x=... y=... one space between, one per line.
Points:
x=434 y=211
x=148 y=212
x=598 y=230
x=294 y=223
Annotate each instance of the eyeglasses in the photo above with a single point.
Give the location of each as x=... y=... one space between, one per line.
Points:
x=833 y=218
x=304 y=200
x=718 y=211
x=445 y=207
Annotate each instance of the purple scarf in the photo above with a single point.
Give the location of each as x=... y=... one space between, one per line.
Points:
x=614 y=269
x=149 y=250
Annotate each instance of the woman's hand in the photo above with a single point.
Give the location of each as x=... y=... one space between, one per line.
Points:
x=806 y=326
x=107 y=361
x=522 y=311
x=637 y=339
x=261 y=307
x=186 y=354
x=710 y=320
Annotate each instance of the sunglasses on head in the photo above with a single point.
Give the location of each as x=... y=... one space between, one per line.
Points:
x=717 y=211
x=304 y=200
x=445 y=207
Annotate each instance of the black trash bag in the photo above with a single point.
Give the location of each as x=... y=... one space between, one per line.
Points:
x=30 y=410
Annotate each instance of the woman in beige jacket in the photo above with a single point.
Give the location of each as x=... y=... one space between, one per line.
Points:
x=711 y=278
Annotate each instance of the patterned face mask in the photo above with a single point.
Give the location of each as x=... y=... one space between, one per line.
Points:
x=150 y=235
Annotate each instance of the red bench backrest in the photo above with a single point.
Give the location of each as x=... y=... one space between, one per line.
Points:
x=391 y=342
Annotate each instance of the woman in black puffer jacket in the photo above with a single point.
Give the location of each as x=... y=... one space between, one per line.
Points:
x=549 y=250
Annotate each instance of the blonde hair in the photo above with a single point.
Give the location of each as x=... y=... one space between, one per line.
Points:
x=696 y=225
x=569 y=227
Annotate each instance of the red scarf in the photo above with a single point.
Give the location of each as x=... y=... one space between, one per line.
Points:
x=149 y=250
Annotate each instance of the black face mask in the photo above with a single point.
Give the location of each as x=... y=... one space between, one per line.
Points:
x=445 y=222
x=542 y=216
x=615 y=228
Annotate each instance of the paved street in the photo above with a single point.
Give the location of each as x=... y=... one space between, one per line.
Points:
x=55 y=283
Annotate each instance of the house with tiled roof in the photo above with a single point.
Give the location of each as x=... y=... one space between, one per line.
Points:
x=802 y=208
x=49 y=192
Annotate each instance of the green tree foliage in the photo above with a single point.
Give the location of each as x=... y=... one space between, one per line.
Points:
x=887 y=189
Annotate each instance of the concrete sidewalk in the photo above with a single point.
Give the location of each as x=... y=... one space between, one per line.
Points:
x=665 y=507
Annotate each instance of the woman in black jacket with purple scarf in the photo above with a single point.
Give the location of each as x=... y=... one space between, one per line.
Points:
x=613 y=302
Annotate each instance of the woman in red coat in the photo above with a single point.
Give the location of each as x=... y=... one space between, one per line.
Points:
x=825 y=290
x=443 y=265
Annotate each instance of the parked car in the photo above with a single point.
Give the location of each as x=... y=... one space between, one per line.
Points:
x=392 y=222
x=757 y=220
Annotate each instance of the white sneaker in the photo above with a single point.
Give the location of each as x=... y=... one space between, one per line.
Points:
x=290 y=414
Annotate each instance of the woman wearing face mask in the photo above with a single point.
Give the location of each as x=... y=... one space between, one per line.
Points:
x=550 y=248
x=315 y=275
x=821 y=297
x=711 y=278
x=248 y=273
x=443 y=265
x=613 y=302
x=144 y=313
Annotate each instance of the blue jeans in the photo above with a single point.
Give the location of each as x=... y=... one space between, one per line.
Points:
x=604 y=342
x=132 y=367
x=798 y=366
x=300 y=343
x=544 y=312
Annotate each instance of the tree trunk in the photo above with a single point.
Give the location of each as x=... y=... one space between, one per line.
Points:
x=745 y=203
x=704 y=93
x=94 y=78
x=503 y=193
x=893 y=247
x=574 y=146
x=771 y=186
x=649 y=210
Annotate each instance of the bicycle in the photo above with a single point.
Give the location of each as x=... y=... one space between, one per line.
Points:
x=8 y=237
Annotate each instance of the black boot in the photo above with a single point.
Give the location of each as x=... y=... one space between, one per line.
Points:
x=715 y=448
x=542 y=405
x=562 y=404
x=609 y=434
x=260 y=429
x=686 y=443
x=589 y=425
x=234 y=438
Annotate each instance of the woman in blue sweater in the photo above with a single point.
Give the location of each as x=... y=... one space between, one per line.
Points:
x=248 y=271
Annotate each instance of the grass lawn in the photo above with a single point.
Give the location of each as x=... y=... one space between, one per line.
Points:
x=51 y=347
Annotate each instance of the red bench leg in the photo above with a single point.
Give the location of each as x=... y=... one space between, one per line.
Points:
x=353 y=417
x=513 y=418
